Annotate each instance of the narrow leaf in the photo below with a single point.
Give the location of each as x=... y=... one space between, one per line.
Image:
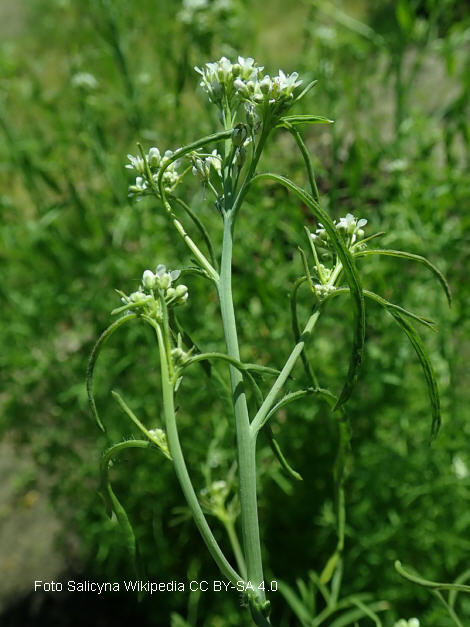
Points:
x=295 y=604
x=427 y=583
x=233 y=362
x=352 y=616
x=290 y=120
x=104 y=337
x=404 y=255
x=428 y=371
x=114 y=504
x=162 y=445
x=276 y=449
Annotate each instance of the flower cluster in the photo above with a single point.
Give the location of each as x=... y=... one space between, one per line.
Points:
x=204 y=165
x=152 y=163
x=349 y=227
x=232 y=83
x=154 y=287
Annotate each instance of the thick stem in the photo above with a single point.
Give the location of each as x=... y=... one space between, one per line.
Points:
x=246 y=442
x=181 y=470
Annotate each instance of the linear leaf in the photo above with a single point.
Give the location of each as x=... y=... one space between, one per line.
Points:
x=233 y=362
x=276 y=449
x=404 y=255
x=104 y=337
x=295 y=604
x=162 y=445
x=113 y=503
x=350 y=272
x=351 y=617
x=390 y=307
x=290 y=120
x=428 y=371
x=427 y=583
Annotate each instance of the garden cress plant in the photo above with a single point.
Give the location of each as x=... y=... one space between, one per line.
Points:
x=251 y=107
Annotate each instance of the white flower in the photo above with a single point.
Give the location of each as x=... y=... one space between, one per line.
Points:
x=136 y=163
x=350 y=226
x=139 y=187
x=215 y=161
x=248 y=68
x=287 y=82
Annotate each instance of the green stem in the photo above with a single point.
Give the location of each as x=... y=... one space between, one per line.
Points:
x=261 y=417
x=246 y=442
x=181 y=470
x=236 y=548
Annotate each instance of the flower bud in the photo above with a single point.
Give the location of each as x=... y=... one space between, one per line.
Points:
x=164 y=281
x=154 y=158
x=181 y=290
x=148 y=279
x=265 y=85
x=181 y=293
x=241 y=87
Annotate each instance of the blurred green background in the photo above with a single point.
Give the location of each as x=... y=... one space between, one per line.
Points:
x=81 y=81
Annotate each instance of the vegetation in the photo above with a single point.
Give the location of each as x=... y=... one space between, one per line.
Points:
x=395 y=79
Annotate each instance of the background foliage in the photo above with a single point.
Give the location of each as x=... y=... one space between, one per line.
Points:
x=395 y=77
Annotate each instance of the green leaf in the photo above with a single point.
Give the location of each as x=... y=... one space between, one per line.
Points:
x=233 y=362
x=104 y=337
x=295 y=604
x=404 y=255
x=276 y=449
x=113 y=504
x=162 y=445
x=391 y=308
x=350 y=272
x=427 y=583
x=398 y=314
x=290 y=120
x=352 y=616
x=428 y=371
x=388 y=306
